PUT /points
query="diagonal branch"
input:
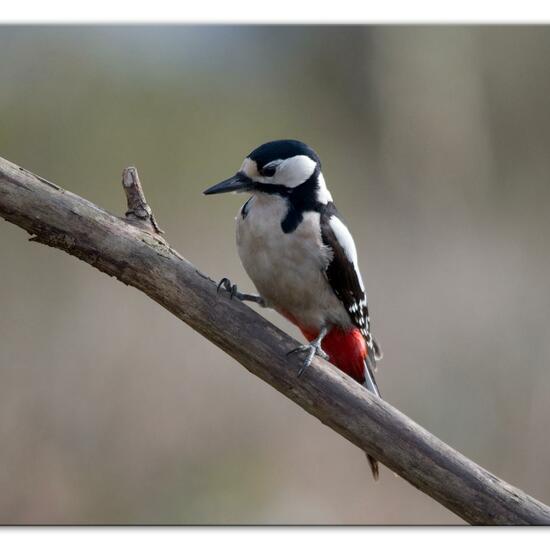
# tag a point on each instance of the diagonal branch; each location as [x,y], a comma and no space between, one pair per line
[140,257]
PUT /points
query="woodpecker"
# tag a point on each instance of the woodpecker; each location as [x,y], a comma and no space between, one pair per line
[302,259]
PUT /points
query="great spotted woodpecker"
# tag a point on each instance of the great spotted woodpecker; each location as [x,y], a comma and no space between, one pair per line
[302,259]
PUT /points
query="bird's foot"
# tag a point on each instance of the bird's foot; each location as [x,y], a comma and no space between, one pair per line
[312,349]
[225,283]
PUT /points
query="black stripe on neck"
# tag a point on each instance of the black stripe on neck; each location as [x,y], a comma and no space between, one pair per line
[302,198]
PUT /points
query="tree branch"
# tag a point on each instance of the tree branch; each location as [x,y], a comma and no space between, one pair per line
[139,212]
[138,256]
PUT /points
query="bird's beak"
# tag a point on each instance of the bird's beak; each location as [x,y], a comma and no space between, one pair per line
[239,182]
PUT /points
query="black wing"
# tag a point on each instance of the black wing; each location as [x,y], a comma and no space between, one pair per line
[345,280]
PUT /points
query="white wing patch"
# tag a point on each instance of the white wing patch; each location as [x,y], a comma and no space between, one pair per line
[347,243]
[357,309]
[323,194]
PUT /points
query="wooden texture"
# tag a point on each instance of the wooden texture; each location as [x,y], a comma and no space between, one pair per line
[141,258]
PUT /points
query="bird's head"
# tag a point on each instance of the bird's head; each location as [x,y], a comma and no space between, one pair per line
[277,167]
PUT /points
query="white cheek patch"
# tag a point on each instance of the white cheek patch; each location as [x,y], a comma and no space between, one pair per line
[295,171]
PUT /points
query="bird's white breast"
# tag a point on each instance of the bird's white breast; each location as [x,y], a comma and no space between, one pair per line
[288,269]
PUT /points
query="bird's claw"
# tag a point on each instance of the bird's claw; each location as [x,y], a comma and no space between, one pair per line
[234,293]
[226,284]
[312,349]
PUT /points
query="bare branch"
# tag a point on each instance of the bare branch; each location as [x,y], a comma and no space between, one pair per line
[140,258]
[139,211]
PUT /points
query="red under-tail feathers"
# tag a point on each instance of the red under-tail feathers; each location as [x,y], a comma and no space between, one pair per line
[348,351]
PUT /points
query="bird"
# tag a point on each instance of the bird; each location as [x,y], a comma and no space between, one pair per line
[297,250]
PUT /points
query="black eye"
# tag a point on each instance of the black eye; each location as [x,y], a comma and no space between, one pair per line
[268,171]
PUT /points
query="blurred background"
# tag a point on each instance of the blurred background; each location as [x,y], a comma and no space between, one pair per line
[435,143]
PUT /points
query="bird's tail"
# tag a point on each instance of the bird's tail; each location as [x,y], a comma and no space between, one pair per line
[378,353]
[370,365]
[372,386]
[374,466]
[349,351]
